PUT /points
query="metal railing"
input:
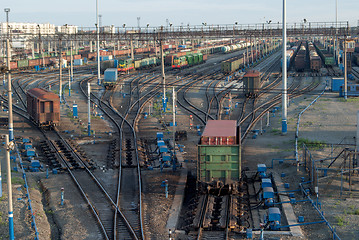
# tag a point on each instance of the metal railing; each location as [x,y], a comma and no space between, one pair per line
[190,31]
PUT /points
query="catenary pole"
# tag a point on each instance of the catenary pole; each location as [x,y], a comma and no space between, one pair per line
[284,71]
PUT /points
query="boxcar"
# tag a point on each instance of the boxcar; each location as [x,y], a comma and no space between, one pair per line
[315,61]
[219,153]
[43,107]
[252,83]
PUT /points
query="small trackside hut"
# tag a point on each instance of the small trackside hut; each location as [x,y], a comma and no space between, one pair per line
[43,107]
[219,156]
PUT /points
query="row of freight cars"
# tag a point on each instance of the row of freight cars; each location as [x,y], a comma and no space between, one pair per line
[188,60]
[179,61]
[314,60]
[300,61]
[32,63]
[50,59]
[312,56]
[234,64]
[234,47]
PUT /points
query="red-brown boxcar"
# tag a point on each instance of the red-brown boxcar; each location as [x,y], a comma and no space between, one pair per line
[43,107]
[34,62]
[45,61]
[13,65]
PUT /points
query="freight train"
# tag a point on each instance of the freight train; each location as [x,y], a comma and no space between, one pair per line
[188,60]
[233,64]
[300,61]
[314,59]
[234,47]
[326,56]
[43,107]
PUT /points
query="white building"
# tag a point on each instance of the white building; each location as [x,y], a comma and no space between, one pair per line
[27,28]
[69,29]
[108,29]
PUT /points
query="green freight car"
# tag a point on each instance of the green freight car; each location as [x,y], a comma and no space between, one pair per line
[231,65]
[219,154]
[325,55]
[23,63]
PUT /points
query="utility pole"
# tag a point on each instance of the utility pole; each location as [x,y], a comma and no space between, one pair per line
[336,42]
[163,78]
[60,71]
[89,108]
[9,147]
[9,92]
[284,71]
[345,69]
[98,45]
[174,118]
[71,69]
[41,46]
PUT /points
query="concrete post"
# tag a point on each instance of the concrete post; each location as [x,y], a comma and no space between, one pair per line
[98,45]
[284,71]
[60,72]
[9,92]
[62,196]
[89,108]
[9,147]
[163,78]
[174,119]
[71,70]
[131,46]
[345,70]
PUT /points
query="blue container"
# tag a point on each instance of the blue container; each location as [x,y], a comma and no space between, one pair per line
[249,233]
[274,214]
[166,157]
[27,146]
[104,58]
[30,152]
[110,75]
[268,192]
[37,68]
[115,63]
[35,164]
[163,149]
[25,140]
[261,167]
[85,60]
[75,112]
[78,62]
[337,83]
[266,182]
[300,219]
[161,143]
[159,135]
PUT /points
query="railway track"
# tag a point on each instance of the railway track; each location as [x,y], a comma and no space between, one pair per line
[128,194]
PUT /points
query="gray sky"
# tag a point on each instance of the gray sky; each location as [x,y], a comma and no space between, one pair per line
[155,12]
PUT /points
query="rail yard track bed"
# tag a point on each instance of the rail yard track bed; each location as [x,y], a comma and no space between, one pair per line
[328,121]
